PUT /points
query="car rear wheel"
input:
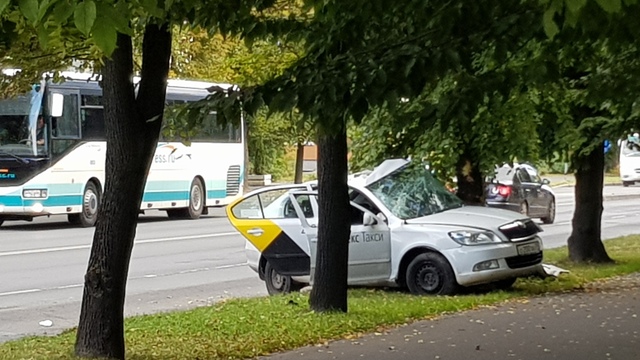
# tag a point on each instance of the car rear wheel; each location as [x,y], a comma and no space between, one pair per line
[551,213]
[431,274]
[277,283]
[627,183]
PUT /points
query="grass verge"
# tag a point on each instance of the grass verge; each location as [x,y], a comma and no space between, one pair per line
[245,328]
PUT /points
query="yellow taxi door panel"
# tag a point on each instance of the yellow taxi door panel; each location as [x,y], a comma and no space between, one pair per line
[259,232]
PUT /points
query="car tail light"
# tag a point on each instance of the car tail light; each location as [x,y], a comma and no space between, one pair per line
[504,191]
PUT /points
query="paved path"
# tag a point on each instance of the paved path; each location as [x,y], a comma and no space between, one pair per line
[603,322]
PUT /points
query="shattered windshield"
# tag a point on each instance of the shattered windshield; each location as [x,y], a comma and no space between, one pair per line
[412,192]
[22,127]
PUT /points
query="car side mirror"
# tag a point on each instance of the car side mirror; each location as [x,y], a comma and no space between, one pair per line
[546,182]
[369,219]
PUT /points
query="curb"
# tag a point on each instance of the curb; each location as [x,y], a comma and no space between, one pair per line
[620,197]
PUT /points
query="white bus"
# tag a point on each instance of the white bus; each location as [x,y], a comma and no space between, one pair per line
[54,165]
[630,160]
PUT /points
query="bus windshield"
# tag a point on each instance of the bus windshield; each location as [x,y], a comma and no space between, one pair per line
[22,126]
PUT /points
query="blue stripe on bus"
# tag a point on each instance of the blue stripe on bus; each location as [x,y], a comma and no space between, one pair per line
[76,200]
[63,200]
[165,196]
[11,200]
[216,194]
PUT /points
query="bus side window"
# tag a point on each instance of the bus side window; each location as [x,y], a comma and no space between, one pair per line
[93,124]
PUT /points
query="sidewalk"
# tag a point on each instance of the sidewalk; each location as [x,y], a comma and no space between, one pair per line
[602,322]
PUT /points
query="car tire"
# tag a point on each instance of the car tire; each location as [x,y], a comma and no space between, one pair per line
[524,208]
[431,274]
[627,183]
[551,213]
[90,207]
[279,284]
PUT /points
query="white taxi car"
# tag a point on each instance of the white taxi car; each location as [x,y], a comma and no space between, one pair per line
[406,230]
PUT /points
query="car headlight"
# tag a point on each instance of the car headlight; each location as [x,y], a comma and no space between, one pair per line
[466,237]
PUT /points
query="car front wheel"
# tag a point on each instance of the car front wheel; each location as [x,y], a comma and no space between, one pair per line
[431,274]
[277,283]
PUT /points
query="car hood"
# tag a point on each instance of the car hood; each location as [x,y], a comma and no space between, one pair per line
[479,217]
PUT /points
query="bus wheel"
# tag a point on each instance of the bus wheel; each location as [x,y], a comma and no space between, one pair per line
[196,199]
[196,203]
[90,206]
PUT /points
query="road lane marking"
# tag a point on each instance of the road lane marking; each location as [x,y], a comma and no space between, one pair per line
[69,286]
[147,276]
[144,241]
[231,266]
[20,292]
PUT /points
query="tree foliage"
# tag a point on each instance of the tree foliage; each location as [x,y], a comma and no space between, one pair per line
[130,115]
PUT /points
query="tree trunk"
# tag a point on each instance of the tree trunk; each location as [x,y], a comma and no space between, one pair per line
[299,163]
[329,292]
[131,141]
[585,243]
[470,180]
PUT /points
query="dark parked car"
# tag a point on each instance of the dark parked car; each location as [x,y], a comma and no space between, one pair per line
[519,188]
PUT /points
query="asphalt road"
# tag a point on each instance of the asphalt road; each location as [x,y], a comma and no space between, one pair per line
[176,264]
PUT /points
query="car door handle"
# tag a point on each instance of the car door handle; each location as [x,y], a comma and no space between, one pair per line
[255,231]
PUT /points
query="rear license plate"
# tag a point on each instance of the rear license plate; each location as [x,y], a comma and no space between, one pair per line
[528,249]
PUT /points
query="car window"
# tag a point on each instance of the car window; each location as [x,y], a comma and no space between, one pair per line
[272,204]
[359,198]
[248,208]
[533,174]
[305,204]
[523,176]
[276,204]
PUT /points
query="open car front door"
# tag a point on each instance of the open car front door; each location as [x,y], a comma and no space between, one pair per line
[369,243]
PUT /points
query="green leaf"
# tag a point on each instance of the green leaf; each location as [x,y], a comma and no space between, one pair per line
[610,6]
[62,11]
[85,16]
[105,35]
[29,9]
[43,36]
[575,6]
[44,6]
[3,5]
[550,26]
[116,18]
